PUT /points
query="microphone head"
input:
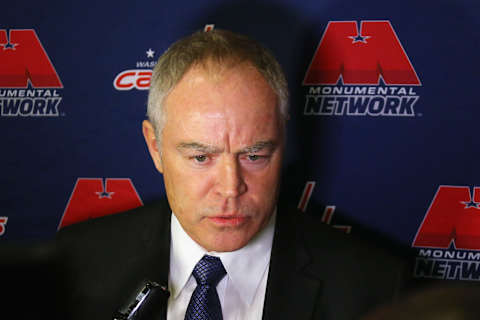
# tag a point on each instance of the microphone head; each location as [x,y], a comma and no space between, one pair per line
[149,301]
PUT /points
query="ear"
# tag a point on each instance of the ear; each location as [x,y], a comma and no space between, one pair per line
[152,144]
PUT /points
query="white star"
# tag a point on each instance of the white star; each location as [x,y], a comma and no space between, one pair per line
[104,194]
[150,53]
[10,46]
[470,204]
[359,38]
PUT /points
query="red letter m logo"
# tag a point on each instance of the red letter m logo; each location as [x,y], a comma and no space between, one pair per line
[91,198]
[454,215]
[23,58]
[360,56]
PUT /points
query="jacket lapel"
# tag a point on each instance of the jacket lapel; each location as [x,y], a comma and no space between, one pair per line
[155,236]
[292,290]
[157,244]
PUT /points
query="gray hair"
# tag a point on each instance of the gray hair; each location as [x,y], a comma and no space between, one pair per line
[200,48]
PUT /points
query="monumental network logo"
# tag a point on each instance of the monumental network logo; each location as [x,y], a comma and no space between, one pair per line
[361,70]
[138,77]
[96,197]
[449,236]
[29,83]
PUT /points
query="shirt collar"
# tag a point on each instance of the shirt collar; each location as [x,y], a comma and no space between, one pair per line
[245,267]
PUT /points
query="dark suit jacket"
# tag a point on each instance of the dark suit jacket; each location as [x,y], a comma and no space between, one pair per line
[316,272]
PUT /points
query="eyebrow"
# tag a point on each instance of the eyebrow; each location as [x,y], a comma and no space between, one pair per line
[197,147]
[258,146]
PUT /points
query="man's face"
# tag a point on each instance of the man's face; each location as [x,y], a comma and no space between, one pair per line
[221,154]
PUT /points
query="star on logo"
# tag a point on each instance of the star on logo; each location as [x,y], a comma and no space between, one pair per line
[10,46]
[470,204]
[150,53]
[359,38]
[104,194]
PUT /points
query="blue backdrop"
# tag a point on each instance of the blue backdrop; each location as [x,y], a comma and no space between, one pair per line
[359,156]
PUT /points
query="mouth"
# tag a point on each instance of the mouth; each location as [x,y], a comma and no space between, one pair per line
[228,221]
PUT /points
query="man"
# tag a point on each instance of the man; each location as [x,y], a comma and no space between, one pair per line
[216,131]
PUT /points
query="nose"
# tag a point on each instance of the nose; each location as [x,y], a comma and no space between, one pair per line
[230,180]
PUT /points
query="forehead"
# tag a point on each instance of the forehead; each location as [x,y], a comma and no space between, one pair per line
[237,100]
[225,78]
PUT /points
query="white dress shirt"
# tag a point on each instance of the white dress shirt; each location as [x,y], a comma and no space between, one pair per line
[241,291]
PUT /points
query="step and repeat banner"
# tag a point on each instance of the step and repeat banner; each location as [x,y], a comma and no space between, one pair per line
[382,136]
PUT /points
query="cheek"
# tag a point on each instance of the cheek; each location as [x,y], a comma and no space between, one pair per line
[263,185]
[185,184]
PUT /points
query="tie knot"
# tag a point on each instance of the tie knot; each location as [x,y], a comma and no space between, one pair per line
[209,270]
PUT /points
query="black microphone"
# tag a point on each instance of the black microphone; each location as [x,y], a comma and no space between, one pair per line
[149,301]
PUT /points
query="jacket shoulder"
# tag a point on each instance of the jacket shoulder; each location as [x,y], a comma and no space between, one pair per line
[119,225]
[103,260]
[357,271]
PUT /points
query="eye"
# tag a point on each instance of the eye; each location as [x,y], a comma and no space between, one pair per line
[200,158]
[255,160]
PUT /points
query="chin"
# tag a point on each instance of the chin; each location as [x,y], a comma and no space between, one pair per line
[224,245]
